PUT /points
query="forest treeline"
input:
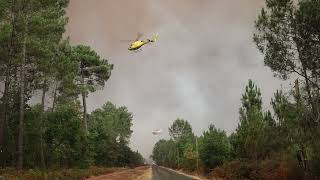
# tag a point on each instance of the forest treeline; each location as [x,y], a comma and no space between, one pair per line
[56,130]
[282,141]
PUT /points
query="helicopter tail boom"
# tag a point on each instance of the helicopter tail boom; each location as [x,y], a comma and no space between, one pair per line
[154,38]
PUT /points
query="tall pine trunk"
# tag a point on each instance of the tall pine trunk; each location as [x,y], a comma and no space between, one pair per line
[55,96]
[4,110]
[44,90]
[4,117]
[22,103]
[84,103]
[85,111]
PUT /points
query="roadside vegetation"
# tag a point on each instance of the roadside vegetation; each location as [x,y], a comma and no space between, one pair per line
[280,142]
[44,121]
[57,174]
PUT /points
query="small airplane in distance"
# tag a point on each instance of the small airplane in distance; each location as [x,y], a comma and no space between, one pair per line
[157,131]
[137,43]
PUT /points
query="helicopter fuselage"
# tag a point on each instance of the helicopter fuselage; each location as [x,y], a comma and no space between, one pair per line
[137,44]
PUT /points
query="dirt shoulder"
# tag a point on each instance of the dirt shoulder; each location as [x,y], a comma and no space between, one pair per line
[139,173]
[146,176]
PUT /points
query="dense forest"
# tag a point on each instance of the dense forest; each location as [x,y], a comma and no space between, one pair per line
[281,142]
[37,60]
[56,130]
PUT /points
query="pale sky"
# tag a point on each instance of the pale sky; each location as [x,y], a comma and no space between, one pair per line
[197,70]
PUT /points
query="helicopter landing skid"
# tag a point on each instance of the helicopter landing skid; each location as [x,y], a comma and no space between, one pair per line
[138,50]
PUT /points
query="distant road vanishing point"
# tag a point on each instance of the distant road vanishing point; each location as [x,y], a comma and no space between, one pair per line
[153,172]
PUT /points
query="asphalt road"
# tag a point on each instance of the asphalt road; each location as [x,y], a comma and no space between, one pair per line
[153,172]
[162,173]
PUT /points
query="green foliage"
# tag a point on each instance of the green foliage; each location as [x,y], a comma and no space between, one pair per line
[135,159]
[263,146]
[180,151]
[66,143]
[180,129]
[189,157]
[214,148]
[112,121]
[64,85]
[165,153]
[31,41]
[65,137]
[110,130]
[183,138]
[249,138]
[286,30]
[287,34]
[265,143]
[251,98]
[92,70]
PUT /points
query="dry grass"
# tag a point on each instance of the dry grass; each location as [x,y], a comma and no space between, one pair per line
[129,174]
[56,174]
[265,170]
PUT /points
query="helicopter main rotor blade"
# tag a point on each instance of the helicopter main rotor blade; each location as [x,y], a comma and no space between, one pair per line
[139,35]
[126,41]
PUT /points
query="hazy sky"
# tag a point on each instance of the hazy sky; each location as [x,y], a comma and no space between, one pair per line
[197,70]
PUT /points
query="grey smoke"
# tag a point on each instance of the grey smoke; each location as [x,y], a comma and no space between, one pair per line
[197,70]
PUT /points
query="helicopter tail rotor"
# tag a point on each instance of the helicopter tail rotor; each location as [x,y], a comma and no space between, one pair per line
[155,37]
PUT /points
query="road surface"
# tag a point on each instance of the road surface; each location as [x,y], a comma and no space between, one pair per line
[162,173]
[146,173]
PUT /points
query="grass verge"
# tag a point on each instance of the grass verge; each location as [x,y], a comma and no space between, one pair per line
[55,174]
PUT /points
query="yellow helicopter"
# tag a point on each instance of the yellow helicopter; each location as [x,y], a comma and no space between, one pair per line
[137,43]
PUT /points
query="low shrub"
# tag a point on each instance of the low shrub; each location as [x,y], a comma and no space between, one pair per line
[270,169]
[56,174]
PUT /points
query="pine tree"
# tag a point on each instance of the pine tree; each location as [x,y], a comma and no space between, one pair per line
[93,71]
[250,132]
